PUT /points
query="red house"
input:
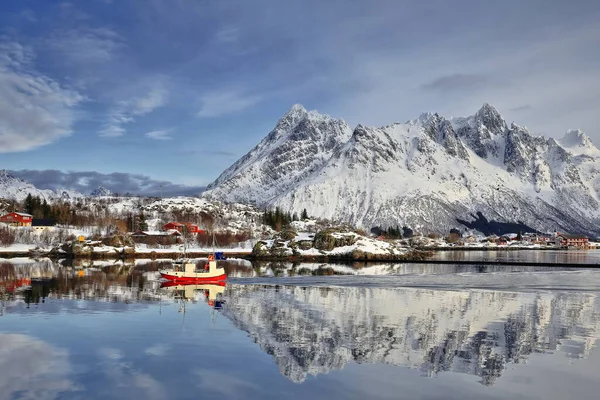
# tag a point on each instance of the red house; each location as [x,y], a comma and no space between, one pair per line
[173,225]
[192,228]
[572,240]
[17,219]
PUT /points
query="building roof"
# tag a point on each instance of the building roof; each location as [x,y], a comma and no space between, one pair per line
[24,214]
[174,223]
[572,236]
[43,222]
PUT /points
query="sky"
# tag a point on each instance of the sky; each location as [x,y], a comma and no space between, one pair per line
[169,93]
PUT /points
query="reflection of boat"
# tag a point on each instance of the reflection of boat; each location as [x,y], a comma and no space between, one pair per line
[185,271]
[212,292]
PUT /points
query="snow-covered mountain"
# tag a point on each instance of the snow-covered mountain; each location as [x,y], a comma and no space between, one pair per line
[425,173]
[14,188]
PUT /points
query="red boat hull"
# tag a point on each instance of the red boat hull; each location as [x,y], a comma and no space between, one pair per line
[171,283]
[183,279]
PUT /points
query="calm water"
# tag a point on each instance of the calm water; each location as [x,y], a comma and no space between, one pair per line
[289,331]
[539,256]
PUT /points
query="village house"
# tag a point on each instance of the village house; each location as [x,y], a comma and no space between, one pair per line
[572,240]
[157,237]
[181,226]
[17,219]
[42,224]
[535,238]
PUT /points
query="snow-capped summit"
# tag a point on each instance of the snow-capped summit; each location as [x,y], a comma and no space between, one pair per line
[298,145]
[577,142]
[490,118]
[101,191]
[425,174]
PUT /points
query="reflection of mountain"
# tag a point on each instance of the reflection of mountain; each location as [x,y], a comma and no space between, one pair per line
[312,330]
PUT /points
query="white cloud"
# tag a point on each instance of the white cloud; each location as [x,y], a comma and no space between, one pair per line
[125,111]
[159,135]
[216,104]
[33,369]
[155,98]
[112,130]
[35,110]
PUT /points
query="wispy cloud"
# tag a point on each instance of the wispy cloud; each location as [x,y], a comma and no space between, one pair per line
[219,103]
[86,45]
[35,110]
[117,182]
[125,111]
[525,107]
[159,135]
[227,34]
[28,15]
[456,82]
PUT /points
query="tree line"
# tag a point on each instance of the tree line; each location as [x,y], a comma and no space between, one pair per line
[277,218]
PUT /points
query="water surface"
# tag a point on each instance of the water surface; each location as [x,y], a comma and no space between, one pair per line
[384,332]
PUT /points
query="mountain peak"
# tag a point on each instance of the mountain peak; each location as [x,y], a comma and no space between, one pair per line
[297,111]
[491,118]
[101,191]
[6,176]
[576,139]
[297,108]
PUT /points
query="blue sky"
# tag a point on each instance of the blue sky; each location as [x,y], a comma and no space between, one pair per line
[177,90]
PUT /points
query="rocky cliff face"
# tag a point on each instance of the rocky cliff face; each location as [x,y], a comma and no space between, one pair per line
[314,330]
[424,173]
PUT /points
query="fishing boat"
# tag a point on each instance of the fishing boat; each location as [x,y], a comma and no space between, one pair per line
[184,270]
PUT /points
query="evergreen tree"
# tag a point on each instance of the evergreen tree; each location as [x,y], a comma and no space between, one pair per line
[28,204]
[46,210]
[142,223]
[304,215]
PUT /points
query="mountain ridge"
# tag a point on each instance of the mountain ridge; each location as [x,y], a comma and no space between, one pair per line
[425,173]
[14,188]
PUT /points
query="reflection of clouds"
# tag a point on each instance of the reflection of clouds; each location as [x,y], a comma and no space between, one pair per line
[129,383]
[157,350]
[32,369]
[228,386]
[110,353]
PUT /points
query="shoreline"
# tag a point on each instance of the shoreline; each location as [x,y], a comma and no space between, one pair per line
[418,256]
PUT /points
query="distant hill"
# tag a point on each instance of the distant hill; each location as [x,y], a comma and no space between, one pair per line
[14,188]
